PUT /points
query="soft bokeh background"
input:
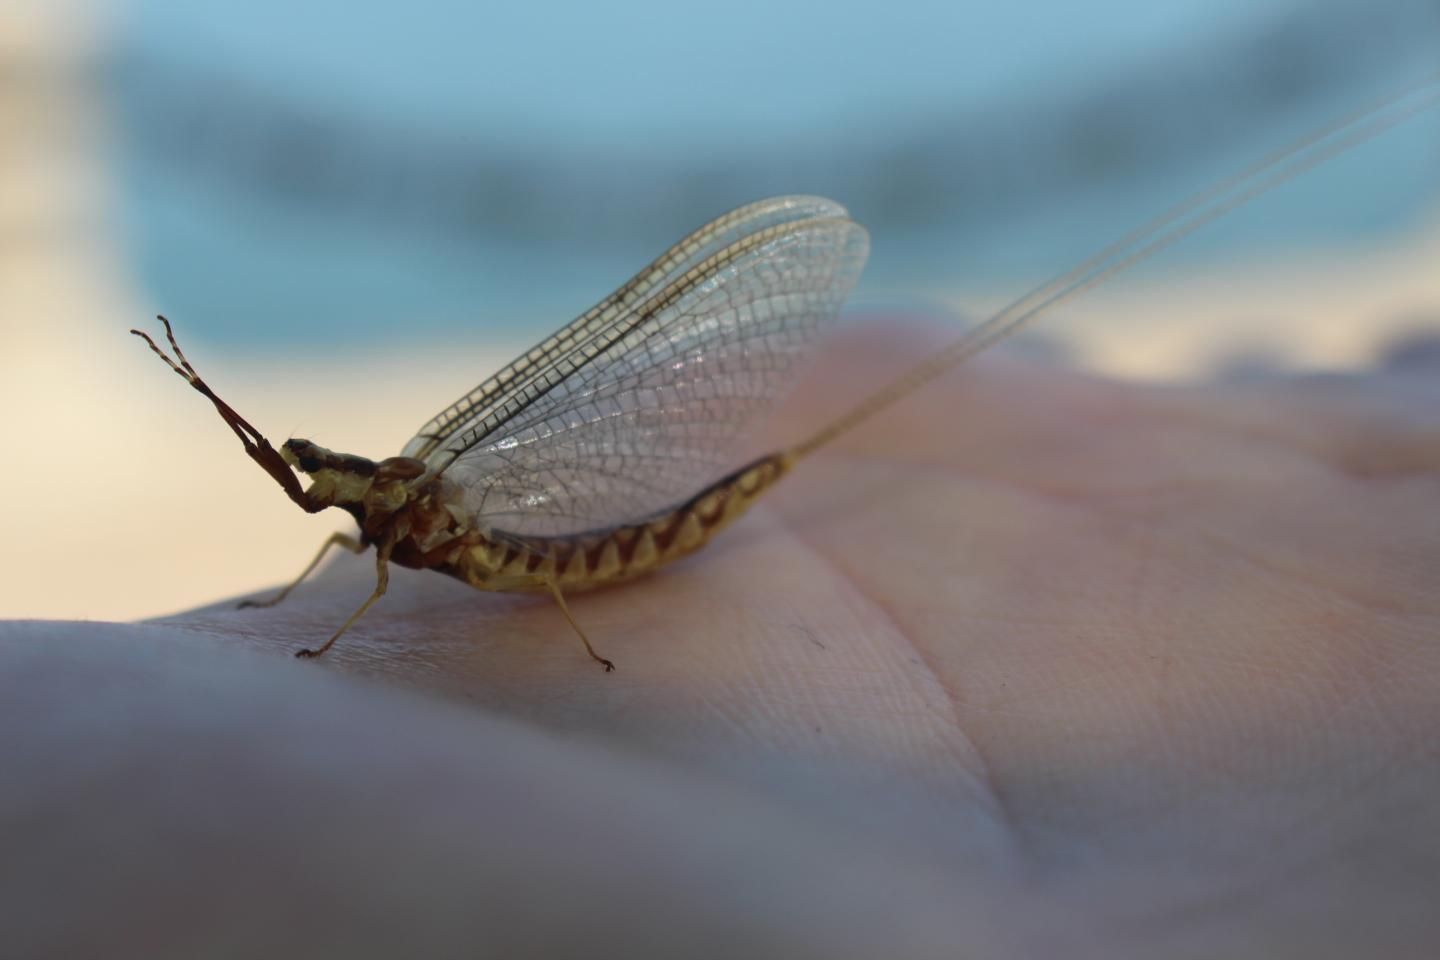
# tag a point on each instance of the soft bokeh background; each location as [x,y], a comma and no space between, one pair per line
[355,211]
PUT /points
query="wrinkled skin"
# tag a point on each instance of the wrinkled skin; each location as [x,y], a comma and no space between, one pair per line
[1035,665]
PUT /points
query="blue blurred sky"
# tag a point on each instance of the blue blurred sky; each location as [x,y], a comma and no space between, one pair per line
[343,171]
[620,76]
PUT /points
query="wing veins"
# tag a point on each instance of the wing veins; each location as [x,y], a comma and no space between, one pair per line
[561,343]
[620,328]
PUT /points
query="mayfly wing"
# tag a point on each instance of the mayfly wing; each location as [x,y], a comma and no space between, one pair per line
[703,243]
[639,419]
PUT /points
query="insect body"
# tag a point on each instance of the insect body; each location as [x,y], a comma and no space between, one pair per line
[593,458]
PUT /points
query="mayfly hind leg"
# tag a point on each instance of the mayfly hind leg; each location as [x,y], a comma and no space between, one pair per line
[335,540]
[565,609]
[382,583]
[548,583]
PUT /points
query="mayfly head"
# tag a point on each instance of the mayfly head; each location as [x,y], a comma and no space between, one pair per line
[345,480]
[311,458]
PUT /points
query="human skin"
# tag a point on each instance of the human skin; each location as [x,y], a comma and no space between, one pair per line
[1036,664]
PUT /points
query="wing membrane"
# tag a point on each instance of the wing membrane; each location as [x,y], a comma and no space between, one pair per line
[640,414]
[703,243]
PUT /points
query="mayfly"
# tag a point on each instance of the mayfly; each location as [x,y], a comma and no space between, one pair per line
[600,455]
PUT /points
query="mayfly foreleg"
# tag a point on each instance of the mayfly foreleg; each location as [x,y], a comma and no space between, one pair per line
[336,539]
[523,581]
[382,583]
[257,448]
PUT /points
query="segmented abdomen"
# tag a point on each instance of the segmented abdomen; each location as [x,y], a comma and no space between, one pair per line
[594,559]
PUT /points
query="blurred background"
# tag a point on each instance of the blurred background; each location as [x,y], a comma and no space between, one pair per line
[355,211]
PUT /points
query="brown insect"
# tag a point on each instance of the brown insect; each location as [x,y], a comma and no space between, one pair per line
[592,458]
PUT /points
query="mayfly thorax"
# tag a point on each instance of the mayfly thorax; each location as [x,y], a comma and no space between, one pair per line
[603,453]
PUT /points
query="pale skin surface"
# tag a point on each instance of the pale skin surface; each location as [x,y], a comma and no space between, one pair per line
[1038,665]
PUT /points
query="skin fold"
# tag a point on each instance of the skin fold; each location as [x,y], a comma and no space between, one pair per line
[1035,662]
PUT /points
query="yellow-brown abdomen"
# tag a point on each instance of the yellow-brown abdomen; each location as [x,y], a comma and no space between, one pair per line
[595,559]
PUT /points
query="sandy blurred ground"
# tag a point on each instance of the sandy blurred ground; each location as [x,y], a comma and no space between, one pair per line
[124,496]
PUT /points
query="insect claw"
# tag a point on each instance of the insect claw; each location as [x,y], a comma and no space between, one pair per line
[306,654]
[609,667]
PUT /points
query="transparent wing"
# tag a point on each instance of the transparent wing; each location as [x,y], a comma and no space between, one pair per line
[705,242]
[633,422]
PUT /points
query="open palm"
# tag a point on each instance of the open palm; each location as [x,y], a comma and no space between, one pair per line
[1036,662]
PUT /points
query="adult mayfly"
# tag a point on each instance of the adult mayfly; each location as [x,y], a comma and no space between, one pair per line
[601,454]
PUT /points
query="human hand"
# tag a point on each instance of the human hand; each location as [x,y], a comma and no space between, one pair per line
[1035,662]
